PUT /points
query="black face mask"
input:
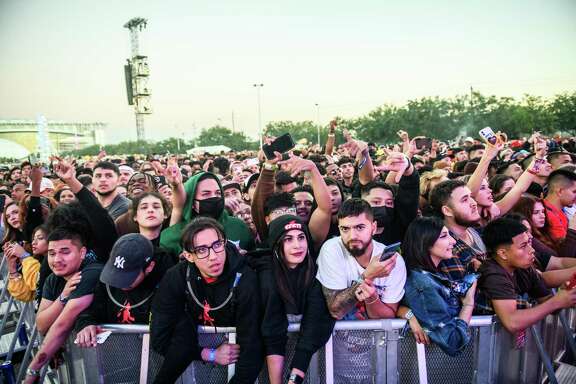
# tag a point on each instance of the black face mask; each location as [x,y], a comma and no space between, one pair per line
[383,216]
[211,207]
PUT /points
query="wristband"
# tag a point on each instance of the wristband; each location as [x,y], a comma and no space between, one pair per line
[270,167]
[295,378]
[33,372]
[25,255]
[532,172]
[372,302]
[212,355]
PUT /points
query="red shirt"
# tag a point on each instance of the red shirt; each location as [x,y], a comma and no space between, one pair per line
[557,222]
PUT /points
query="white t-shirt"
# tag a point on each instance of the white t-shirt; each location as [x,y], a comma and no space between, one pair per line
[338,269]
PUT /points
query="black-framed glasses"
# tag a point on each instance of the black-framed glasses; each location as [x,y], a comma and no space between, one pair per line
[203,251]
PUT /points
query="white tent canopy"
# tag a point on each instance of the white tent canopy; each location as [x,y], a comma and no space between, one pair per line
[12,150]
[213,149]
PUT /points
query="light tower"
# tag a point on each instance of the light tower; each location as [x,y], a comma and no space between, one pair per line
[137,73]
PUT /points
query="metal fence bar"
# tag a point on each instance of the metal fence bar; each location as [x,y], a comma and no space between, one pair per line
[17,332]
[329,357]
[144,358]
[570,342]
[6,314]
[24,363]
[543,355]
[381,343]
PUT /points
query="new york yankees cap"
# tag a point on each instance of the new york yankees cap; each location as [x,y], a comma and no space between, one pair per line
[129,256]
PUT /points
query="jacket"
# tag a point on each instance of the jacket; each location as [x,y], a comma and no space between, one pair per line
[235,229]
[437,308]
[24,288]
[406,201]
[103,310]
[316,324]
[174,301]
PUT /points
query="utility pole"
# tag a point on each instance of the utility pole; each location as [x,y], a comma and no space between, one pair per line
[137,74]
[258,89]
[318,121]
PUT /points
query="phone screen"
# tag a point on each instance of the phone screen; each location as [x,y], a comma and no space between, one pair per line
[389,251]
[282,144]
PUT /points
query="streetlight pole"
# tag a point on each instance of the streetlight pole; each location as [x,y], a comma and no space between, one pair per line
[258,89]
[318,121]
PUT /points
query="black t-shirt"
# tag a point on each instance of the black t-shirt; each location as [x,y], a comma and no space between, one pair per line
[497,284]
[90,276]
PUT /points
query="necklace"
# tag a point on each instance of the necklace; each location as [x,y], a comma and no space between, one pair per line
[128,305]
[203,306]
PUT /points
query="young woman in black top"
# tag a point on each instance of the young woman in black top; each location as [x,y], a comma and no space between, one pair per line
[290,292]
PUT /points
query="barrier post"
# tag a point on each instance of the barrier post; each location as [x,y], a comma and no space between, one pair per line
[380,363]
[144,358]
[543,355]
[484,366]
[392,337]
[329,357]
[231,367]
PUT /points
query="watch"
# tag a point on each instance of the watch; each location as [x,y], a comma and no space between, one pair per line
[33,372]
[62,299]
[409,315]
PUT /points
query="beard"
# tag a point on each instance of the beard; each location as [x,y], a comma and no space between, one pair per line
[357,251]
[108,193]
[463,222]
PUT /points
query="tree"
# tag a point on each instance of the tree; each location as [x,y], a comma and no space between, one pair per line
[219,135]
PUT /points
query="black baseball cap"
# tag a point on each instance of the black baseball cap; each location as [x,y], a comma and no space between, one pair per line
[129,256]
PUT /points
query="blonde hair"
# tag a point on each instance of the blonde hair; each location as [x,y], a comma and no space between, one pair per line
[428,178]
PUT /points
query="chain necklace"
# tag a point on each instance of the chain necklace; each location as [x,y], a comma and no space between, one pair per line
[128,305]
[203,306]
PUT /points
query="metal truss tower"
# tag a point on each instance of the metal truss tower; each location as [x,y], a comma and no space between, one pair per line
[137,73]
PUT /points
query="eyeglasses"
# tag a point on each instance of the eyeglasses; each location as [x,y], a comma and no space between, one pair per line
[202,252]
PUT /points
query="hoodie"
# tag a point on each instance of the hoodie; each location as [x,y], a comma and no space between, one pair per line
[173,301]
[236,230]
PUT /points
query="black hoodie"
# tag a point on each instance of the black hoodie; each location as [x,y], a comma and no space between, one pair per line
[173,302]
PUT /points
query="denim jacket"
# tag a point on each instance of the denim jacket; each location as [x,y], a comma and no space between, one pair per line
[437,307]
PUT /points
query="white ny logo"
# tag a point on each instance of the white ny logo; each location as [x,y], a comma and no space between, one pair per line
[119,262]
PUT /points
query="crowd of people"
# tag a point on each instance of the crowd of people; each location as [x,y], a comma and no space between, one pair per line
[254,242]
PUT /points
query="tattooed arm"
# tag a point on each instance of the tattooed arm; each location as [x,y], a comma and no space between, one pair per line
[340,301]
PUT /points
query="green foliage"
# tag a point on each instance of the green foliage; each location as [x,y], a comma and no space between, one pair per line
[442,118]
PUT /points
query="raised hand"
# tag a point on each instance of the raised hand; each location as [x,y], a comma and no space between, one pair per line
[64,169]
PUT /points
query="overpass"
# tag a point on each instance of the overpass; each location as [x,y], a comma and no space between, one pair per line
[63,136]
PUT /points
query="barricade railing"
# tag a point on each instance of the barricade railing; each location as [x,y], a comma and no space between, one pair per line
[371,351]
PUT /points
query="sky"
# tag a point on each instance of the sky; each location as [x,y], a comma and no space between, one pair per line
[317,59]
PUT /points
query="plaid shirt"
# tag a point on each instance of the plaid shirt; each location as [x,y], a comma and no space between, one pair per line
[458,266]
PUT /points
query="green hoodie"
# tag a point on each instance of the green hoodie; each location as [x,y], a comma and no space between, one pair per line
[235,229]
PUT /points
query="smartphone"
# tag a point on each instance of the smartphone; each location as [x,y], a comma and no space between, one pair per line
[389,251]
[423,143]
[572,283]
[282,144]
[538,164]
[488,134]
[159,181]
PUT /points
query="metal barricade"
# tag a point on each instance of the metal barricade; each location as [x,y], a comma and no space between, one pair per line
[371,351]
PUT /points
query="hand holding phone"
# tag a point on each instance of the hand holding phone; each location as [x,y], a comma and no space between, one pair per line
[282,144]
[389,251]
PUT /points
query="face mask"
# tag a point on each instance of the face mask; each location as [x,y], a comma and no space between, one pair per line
[211,207]
[383,216]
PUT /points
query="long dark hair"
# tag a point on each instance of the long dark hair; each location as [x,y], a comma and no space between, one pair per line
[305,277]
[420,237]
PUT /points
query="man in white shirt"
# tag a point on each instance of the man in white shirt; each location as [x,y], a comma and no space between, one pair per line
[356,284]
